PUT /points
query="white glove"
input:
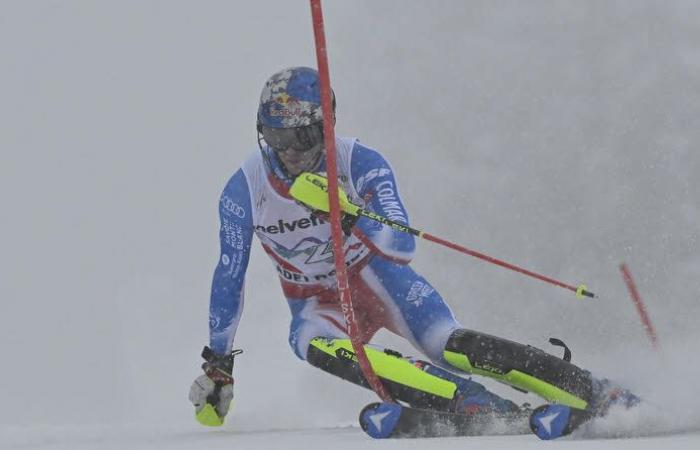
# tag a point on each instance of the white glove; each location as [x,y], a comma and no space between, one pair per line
[205,392]
[212,393]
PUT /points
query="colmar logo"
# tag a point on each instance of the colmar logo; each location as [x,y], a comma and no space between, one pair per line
[386,192]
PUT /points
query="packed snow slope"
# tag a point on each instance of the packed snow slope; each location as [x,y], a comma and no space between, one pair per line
[560,136]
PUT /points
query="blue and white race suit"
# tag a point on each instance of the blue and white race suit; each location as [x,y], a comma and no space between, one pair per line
[386,292]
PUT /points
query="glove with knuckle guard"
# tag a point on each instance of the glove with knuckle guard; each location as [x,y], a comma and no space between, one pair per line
[347,221]
[212,393]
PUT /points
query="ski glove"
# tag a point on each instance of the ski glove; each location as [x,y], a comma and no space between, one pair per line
[212,393]
[347,221]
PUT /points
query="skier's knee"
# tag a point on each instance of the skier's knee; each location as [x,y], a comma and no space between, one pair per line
[433,340]
[299,344]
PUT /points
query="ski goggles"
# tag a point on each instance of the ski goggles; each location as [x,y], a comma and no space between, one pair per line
[300,139]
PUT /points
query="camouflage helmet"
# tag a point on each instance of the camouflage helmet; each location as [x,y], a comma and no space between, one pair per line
[291,98]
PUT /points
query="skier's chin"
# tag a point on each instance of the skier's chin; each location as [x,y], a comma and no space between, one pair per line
[295,171]
[295,168]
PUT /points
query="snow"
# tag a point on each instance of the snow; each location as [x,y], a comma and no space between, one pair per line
[341,438]
[559,136]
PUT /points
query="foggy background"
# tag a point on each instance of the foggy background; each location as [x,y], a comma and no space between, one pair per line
[557,135]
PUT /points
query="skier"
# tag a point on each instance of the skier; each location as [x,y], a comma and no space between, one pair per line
[386,291]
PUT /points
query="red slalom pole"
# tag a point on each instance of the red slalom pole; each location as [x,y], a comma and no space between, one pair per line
[641,309]
[311,189]
[580,290]
[353,327]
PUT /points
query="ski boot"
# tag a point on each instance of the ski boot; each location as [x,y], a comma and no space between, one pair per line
[473,398]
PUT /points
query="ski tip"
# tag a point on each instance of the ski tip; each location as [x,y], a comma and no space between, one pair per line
[378,420]
[550,421]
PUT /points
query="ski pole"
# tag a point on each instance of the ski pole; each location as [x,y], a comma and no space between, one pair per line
[312,190]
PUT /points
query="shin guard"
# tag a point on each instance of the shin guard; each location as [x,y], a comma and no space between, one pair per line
[522,366]
[405,379]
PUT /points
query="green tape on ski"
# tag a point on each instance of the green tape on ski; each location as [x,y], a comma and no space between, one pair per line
[519,380]
[391,368]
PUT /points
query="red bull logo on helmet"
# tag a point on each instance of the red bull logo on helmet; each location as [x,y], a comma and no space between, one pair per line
[290,98]
[291,106]
[285,99]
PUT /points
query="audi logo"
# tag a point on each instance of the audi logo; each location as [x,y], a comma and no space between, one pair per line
[232,207]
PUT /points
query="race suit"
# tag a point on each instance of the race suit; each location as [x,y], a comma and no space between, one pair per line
[386,292]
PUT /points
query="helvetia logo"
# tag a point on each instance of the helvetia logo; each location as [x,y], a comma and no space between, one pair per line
[283,226]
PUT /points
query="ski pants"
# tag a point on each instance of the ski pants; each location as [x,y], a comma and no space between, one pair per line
[385,294]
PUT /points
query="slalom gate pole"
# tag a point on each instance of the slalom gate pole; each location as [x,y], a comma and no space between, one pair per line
[353,327]
[639,304]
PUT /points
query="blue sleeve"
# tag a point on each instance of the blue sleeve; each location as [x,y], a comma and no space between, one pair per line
[374,181]
[235,234]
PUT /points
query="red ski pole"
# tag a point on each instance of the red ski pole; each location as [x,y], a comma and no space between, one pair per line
[579,290]
[313,190]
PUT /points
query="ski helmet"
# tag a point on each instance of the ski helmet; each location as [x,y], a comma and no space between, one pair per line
[291,98]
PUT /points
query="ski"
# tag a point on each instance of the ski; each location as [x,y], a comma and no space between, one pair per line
[392,420]
[554,421]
